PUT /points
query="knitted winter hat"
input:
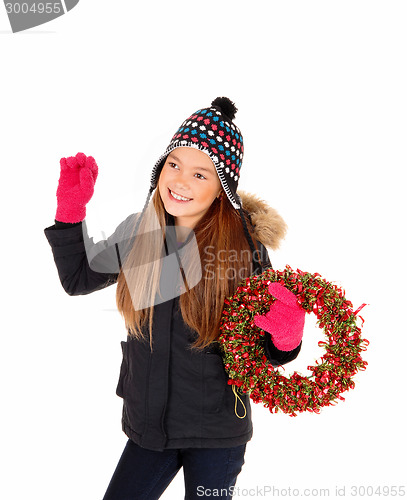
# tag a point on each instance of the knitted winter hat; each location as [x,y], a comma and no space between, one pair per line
[212,131]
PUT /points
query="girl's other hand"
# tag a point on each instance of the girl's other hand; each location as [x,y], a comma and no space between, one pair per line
[75,187]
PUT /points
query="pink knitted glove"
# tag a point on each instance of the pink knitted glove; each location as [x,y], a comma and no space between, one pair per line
[285,319]
[75,187]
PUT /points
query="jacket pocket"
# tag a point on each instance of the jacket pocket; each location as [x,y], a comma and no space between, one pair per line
[123,370]
[215,383]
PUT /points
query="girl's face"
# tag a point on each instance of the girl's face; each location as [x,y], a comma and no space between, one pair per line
[188,184]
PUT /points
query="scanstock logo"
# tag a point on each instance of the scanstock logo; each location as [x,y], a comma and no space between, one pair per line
[25,14]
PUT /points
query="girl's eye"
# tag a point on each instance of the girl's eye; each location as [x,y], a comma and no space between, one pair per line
[172,165]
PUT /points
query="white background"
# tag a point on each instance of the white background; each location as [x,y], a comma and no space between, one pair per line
[321,92]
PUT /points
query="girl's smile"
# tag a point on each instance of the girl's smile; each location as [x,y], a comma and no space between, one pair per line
[178,197]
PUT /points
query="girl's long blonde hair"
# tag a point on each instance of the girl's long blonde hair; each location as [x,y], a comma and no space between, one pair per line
[225,260]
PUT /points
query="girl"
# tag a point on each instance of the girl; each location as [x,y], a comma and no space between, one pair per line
[174,264]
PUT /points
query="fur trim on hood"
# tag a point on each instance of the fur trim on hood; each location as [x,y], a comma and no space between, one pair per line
[268,226]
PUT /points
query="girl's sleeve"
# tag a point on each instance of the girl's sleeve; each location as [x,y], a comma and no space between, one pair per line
[274,355]
[84,266]
[277,357]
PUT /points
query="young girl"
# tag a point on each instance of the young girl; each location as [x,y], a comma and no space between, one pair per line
[174,264]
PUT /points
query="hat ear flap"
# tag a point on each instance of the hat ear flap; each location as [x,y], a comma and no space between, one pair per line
[159,169]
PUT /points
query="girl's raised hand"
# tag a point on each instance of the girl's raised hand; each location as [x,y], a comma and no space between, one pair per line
[75,187]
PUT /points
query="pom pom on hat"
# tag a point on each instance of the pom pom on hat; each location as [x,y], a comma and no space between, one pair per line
[226,106]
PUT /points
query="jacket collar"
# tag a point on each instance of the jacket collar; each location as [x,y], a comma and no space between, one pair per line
[268,226]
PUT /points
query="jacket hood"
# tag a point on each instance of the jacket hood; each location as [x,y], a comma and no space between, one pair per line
[268,226]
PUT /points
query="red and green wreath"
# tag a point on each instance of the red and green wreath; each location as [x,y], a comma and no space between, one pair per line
[242,343]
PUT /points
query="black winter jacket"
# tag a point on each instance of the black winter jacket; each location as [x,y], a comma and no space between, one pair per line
[173,397]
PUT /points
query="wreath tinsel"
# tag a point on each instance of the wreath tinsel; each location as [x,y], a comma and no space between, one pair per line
[242,343]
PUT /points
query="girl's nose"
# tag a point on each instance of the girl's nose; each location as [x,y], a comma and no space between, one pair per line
[182,182]
[182,187]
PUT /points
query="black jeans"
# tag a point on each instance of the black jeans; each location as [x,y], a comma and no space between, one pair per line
[143,474]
